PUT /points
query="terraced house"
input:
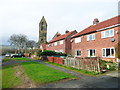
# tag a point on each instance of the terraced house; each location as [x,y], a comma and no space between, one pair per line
[97,40]
[61,43]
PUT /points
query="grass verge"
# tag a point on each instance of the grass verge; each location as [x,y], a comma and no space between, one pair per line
[90,73]
[7,59]
[40,73]
[9,80]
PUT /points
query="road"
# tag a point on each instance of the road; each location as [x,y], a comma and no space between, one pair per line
[1,57]
[108,81]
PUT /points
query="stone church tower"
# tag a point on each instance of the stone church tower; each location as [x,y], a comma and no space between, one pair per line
[42,31]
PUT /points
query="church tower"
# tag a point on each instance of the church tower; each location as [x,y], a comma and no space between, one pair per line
[42,31]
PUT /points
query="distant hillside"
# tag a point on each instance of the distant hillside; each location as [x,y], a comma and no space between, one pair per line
[6,47]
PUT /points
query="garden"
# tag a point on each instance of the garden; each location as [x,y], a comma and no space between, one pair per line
[37,73]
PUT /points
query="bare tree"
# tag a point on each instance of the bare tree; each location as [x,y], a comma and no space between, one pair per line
[19,41]
[31,44]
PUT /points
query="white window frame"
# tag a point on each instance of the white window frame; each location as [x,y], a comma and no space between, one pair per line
[80,53]
[110,52]
[61,42]
[88,53]
[61,50]
[56,50]
[55,43]
[104,33]
[88,37]
[78,39]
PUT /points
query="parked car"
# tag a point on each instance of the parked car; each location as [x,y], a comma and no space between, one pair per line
[18,55]
[7,54]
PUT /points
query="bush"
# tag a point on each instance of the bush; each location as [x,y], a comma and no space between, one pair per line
[112,66]
[51,53]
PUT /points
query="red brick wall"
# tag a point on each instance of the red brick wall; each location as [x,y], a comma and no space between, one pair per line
[57,60]
[58,47]
[66,46]
[97,44]
[68,43]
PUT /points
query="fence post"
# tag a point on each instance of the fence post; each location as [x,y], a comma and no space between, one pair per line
[98,60]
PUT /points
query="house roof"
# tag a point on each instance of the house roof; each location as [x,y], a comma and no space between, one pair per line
[100,25]
[61,36]
[57,34]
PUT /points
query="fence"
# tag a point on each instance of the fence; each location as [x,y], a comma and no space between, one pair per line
[89,64]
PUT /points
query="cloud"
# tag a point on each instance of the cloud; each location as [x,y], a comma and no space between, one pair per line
[23,16]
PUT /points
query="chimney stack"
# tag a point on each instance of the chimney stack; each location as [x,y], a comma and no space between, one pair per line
[66,31]
[96,21]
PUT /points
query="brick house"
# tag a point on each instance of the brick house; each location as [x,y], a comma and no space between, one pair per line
[61,43]
[43,47]
[97,40]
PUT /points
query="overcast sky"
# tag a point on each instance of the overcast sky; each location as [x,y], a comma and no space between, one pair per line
[23,16]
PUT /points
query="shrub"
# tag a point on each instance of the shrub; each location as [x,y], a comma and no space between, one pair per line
[112,66]
[51,53]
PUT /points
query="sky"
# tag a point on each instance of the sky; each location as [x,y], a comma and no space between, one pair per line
[23,16]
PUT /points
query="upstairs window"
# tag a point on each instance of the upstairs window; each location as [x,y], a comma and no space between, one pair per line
[61,51]
[77,40]
[61,42]
[91,37]
[108,33]
[91,53]
[55,44]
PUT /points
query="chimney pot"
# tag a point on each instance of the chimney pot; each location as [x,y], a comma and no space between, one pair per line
[66,31]
[96,21]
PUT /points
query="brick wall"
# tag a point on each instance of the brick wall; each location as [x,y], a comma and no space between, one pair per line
[66,46]
[58,47]
[96,44]
[57,60]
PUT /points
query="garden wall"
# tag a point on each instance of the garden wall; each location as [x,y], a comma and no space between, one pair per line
[57,60]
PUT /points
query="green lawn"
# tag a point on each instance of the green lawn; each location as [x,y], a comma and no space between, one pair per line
[0,78]
[43,74]
[7,59]
[74,69]
[9,79]
[37,72]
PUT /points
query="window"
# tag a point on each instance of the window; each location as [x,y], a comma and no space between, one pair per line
[91,37]
[61,42]
[55,44]
[108,33]
[78,53]
[61,51]
[91,53]
[48,45]
[56,51]
[108,52]
[77,40]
